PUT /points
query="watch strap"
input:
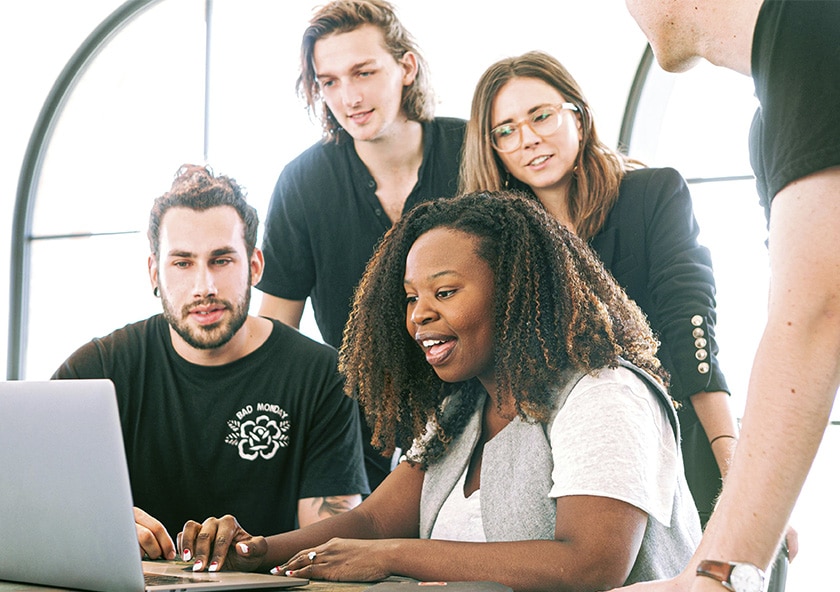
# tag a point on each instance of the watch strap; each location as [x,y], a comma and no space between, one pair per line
[717,570]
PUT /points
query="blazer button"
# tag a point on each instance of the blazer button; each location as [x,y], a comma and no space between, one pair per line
[700,343]
[697,320]
[701,354]
[703,367]
[698,332]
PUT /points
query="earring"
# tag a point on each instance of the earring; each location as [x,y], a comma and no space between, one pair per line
[156,292]
[507,180]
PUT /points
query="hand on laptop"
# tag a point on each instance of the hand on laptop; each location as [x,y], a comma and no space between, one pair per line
[221,542]
[154,541]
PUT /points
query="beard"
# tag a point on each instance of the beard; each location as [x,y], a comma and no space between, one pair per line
[207,336]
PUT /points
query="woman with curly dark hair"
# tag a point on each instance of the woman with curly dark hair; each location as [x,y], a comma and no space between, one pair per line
[545,452]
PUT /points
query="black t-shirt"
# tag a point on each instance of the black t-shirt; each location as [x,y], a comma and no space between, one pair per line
[324,220]
[247,438]
[796,70]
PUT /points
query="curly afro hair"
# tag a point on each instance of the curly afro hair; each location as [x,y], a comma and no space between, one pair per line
[556,309]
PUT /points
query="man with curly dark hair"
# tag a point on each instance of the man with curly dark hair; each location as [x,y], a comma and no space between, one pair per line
[546,449]
[222,411]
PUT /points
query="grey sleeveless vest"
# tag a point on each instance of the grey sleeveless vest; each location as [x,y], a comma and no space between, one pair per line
[516,478]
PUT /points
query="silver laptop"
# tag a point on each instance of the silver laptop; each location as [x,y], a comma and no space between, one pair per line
[66,515]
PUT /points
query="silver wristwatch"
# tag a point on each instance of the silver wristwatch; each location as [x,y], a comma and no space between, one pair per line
[734,575]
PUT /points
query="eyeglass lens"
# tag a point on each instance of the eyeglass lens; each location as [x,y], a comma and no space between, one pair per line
[543,122]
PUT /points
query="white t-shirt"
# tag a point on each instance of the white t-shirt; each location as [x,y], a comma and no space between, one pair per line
[612,438]
[459,518]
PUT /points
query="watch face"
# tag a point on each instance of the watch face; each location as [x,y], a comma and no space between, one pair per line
[746,578]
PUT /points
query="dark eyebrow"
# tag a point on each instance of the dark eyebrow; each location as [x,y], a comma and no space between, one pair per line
[177,253]
[214,253]
[436,275]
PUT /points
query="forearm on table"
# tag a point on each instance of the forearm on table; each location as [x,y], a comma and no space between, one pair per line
[355,524]
[524,565]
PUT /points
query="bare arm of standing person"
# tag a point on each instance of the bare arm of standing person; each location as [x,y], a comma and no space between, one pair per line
[792,387]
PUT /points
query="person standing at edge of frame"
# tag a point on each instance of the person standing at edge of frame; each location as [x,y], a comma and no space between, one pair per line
[790,49]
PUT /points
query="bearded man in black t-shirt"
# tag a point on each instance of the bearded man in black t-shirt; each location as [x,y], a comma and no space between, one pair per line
[222,412]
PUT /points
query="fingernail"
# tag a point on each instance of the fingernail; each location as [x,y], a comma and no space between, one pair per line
[187,555]
[289,572]
[198,565]
[214,566]
[243,548]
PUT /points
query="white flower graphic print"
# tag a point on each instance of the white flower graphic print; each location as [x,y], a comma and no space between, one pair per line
[260,437]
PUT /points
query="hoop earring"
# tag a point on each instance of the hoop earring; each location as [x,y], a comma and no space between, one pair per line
[156,292]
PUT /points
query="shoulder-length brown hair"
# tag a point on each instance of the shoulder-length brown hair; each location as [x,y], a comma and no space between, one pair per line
[599,169]
[343,16]
[555,309]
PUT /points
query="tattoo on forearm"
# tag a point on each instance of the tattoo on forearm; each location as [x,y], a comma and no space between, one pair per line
[331,505]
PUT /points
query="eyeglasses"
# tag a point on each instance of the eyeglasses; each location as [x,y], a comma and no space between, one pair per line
[544,121]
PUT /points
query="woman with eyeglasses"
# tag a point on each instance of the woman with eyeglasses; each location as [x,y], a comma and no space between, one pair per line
[531,129]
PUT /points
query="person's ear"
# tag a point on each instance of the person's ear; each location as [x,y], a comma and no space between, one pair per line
[409,65]
[153,275]
[257,266]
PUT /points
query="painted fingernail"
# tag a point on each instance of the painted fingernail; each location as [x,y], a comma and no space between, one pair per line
[289,572]
[198,565]
[187,555]
[243,548]
[276,571]
[214,566]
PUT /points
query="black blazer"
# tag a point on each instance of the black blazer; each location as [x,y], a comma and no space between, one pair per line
[649,244]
